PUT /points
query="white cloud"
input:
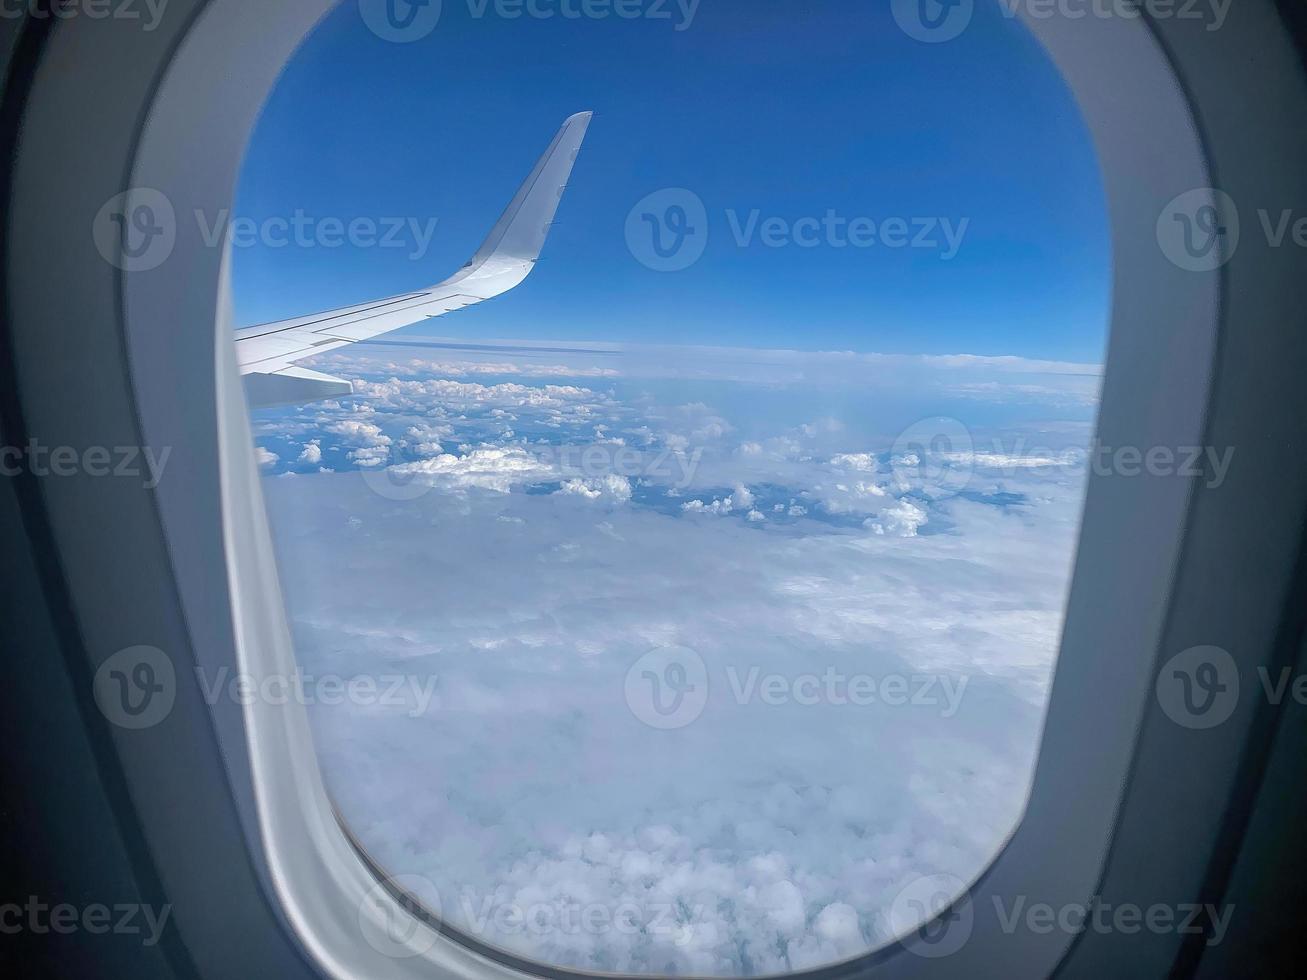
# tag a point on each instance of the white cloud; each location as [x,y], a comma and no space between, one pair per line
[717,507]
[530,616]
[610,487]
[427,437]
[536,784]
[463,367]
[487,468]
[1011,461]
[364,435]
[902,518]
[865,462]
[397,393]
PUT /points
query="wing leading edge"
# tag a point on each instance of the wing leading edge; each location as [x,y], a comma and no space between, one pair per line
[267,353]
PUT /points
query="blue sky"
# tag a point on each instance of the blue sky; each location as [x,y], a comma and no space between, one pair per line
[788,109]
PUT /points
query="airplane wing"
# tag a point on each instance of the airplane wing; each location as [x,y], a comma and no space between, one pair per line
[267,354]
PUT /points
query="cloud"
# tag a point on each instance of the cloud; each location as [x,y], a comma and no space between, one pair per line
[487,468]
[717,507]
[461,395]
[536,784]
[455,368]
[996,379]
[902,518]
[356,433]
[1081,391]
[864,462]
[426,437]
[743,842]
[611,487]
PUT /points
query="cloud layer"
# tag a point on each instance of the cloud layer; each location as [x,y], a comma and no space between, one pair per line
[870,645]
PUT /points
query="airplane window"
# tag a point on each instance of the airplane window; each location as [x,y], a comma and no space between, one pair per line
[692,607]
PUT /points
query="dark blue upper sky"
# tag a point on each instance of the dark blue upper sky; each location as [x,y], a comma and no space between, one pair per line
[790,108]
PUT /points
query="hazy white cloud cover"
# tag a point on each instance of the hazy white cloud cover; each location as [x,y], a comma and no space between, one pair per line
[765,524]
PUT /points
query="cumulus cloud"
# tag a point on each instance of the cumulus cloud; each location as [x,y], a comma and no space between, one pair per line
[718,506]
[356,433]
[610,486]
[902,518]
[426,437]
[370,446]
[396,392]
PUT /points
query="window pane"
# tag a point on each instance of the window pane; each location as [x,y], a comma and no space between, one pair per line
[692,607]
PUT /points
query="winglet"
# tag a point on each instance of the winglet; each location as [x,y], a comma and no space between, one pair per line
[267,353]
[520,231]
